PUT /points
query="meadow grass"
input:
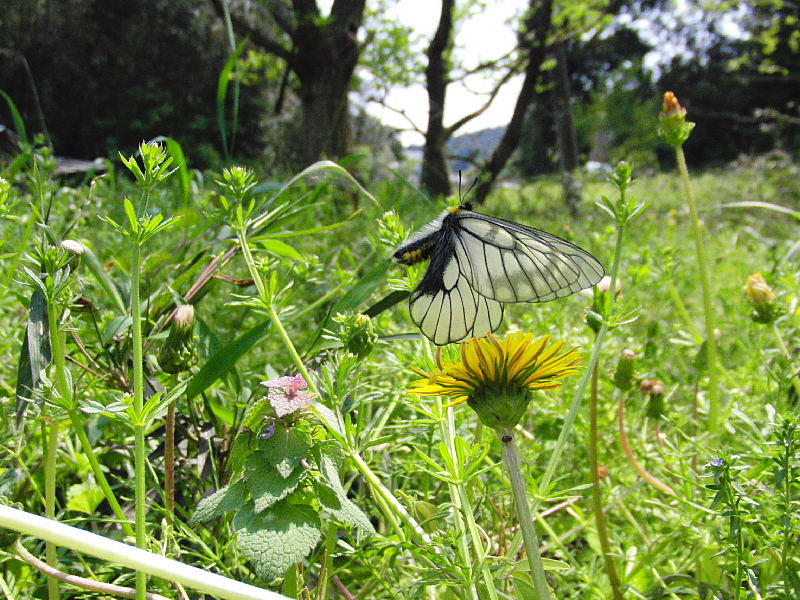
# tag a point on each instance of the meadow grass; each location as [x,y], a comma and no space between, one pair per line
[388,495]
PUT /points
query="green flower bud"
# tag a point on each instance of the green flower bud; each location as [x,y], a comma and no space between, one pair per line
[653,389]
[179,353]
[762,299]
[623,376]
[673,126]
[357,334]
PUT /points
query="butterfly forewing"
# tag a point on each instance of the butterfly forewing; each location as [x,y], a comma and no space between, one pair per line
[509,262]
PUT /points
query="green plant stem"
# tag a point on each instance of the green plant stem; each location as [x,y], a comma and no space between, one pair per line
[569,420]
[140,496]
[57,345]
[50,500]
[518,488]
[169,462]
[597,492]
[374,482]
[785,350]
[708,307]
[100,477]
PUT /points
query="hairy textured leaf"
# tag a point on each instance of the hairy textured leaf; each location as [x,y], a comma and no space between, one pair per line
[278,537]
[228,498]
[266,485]
[286,449]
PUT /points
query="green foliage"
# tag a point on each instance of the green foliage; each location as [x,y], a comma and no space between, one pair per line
[288,490]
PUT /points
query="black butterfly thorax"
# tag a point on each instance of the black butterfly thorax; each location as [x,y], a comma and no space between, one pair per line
[441,239]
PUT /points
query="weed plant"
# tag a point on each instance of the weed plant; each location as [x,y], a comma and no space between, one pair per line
[333,481]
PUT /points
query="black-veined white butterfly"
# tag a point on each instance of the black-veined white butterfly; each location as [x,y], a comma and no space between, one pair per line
[479,263]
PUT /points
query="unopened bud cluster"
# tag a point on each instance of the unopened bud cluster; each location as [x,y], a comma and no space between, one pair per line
[179,352]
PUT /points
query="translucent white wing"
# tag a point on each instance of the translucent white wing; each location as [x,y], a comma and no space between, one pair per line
[446,308]
[509,262]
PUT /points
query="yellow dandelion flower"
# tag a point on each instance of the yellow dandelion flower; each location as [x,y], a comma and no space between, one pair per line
[495,376]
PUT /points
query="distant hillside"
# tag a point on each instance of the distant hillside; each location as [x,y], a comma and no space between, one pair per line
[469,146]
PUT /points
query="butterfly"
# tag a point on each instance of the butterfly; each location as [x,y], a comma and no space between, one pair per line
[478,263]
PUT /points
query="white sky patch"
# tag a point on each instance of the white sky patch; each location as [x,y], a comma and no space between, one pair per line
[481,37]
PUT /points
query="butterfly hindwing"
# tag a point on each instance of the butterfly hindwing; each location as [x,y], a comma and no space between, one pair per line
[445,307]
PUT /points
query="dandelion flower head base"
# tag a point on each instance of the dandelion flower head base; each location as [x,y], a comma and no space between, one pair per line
[495,376]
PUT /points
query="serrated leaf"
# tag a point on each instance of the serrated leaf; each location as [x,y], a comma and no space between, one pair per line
[84,497]
[339,505]
[266,485]
[231,497]
[278,537]
[285,449]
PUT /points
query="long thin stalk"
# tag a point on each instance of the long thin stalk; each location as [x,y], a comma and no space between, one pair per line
[140,496]
[169,461]
[63,389]
[511,460]
[708,306]
[597,493]
[50,500]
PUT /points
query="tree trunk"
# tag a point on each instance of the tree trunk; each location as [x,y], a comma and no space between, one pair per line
[435,177]
[534,40]
[565,131]
[325,57]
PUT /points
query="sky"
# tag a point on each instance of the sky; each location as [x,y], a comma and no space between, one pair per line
[481,37]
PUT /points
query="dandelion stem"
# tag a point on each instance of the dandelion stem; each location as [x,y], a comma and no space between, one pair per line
[518,488]
[711,341]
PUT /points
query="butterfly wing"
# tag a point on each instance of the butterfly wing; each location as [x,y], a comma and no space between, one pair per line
[509,262]
[445,307]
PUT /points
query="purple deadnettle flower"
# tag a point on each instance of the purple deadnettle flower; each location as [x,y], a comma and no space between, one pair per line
[285,395]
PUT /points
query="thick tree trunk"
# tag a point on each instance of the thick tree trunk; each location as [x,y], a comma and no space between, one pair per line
[565,131]
[325,57]
[534,40]
[435,177]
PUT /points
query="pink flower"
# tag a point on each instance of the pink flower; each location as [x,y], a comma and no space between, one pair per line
[284,395]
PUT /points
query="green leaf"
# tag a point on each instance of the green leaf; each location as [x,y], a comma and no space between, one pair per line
[277,538]
[131,212]
[231,497]
[224,360]
[335,499]
[35,354]
[361,291]
[266,485]
[16,117]
[285,449]
[115,327]
[222,93]
[280,248]
[84,497]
